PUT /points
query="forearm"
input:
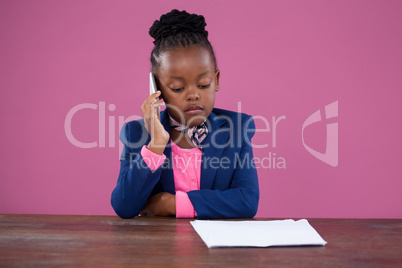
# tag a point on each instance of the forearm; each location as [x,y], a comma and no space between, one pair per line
[231,203]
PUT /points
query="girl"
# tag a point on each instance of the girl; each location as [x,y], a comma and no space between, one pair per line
[191,160]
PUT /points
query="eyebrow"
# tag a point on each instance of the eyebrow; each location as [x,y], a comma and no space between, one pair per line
[181,78]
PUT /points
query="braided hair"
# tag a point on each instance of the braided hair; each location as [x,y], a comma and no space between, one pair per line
[178,28]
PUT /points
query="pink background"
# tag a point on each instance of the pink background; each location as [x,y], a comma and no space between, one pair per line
[278,58]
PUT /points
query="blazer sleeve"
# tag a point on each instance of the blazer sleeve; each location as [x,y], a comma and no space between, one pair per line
[240,200]
[136,181]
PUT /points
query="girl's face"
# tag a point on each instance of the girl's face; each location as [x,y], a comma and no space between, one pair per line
[188,82]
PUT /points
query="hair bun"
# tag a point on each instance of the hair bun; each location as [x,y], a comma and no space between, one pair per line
[176,22]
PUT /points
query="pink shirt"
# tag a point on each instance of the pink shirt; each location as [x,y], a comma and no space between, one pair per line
[186,172]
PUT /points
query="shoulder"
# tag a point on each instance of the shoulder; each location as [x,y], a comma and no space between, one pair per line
[234,117]
[228,113]
[242,123]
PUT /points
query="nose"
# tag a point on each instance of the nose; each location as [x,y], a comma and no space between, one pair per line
[193,94]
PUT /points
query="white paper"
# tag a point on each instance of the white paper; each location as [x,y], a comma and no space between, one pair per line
[257,233]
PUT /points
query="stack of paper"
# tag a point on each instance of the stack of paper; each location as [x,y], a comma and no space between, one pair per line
[257,233]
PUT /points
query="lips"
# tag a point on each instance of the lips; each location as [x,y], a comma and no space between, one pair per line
[194,108]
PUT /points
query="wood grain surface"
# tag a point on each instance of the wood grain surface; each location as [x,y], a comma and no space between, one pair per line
[108,241]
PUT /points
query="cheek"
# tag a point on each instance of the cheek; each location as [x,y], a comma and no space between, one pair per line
[174,103]
[210,98]
[173,99]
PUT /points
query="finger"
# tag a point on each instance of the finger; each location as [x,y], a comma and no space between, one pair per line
[155,112]
[154,108]
[153,97]
[154,101]
[157,104]
[150,99]
[145,107]
[158,114]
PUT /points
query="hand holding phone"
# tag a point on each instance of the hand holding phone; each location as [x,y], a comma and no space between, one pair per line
[151,112]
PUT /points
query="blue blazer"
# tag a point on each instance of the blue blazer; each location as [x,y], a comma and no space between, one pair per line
[229,182]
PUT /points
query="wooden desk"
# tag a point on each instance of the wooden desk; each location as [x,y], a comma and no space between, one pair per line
[108,241]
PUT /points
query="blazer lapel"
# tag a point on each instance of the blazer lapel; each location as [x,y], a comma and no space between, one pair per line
[216,136]
[167,179]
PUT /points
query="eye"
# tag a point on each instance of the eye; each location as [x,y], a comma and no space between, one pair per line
[205,86]
[177,89]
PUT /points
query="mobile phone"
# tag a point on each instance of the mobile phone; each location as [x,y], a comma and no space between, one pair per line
[152,86]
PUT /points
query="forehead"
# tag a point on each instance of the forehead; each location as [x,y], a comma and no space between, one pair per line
[195,59]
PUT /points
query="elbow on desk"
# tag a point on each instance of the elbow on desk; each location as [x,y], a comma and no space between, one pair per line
[252,211]
[124,213]
[249,211]
[122,210]
[250,200]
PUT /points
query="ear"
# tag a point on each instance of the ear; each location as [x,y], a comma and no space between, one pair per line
[217,75]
